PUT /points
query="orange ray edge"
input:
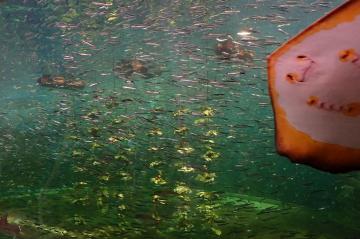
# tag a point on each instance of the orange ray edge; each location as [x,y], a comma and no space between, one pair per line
[294,144]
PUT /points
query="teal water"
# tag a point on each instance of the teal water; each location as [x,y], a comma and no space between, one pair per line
[187,152]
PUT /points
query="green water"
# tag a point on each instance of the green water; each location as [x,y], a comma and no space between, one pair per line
[186,153]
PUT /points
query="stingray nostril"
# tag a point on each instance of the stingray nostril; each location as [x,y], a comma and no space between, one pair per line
[312,100]
[348,55]
[293,77]
[301,57]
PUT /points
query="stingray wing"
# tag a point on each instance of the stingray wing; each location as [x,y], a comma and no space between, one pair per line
[314,84]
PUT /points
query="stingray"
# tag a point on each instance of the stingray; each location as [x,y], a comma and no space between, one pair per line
[127,68]
[228,49]
[314,84]
[60,82]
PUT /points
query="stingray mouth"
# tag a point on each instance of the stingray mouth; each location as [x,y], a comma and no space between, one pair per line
[350,109]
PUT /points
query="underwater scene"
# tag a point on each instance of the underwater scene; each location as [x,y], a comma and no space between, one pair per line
[152,119]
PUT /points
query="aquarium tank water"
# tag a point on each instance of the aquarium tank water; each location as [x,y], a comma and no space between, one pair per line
[141,119]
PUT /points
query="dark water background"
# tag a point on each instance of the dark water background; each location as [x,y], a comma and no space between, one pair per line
[92,163]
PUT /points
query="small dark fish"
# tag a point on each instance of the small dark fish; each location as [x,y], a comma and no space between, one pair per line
[127,68]
[318,191]
[165,192]
[127,100]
